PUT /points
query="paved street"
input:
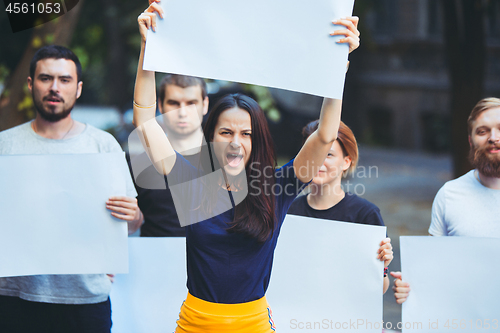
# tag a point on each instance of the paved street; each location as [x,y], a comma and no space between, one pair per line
[403,185]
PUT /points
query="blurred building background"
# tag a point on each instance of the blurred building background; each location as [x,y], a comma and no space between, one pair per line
[403,87]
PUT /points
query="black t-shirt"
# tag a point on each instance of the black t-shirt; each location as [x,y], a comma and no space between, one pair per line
[155,201]
[350,209]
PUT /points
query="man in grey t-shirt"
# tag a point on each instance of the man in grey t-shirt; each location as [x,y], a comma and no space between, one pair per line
[60,303]
[469,205]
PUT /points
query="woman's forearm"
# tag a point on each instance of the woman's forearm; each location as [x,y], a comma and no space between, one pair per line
[386,283]
[152,136]
[329,120]
[314,151]
[144,92]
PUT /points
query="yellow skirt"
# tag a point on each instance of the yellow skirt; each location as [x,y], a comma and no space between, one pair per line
[198,316]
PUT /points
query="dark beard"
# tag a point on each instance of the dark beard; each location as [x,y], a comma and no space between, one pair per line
[486,163]
[48,116]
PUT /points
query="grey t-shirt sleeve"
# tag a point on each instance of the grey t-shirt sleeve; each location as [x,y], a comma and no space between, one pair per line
[438,225]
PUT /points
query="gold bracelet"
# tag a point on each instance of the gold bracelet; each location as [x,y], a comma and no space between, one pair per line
[144,107]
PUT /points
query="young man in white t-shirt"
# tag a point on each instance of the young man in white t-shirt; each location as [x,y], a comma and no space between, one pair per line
[470,205]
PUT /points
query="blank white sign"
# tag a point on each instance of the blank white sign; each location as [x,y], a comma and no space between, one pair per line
[324,271]
[54,218]
[149,298]
[454,284]
[326,276]
[281,43]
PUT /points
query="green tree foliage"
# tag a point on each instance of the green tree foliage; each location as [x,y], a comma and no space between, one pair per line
[103,34]
[107,42]
[15,102]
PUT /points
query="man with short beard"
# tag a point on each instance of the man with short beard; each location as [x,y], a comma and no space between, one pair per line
[470,205]
[60,303]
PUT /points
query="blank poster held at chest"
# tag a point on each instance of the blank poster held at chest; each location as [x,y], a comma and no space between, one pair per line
[323,270]
[454,284]
[326,276]
[283,44]
[54,216]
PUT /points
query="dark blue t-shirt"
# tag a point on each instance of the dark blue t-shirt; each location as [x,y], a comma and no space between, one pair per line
[228,267]
[350,209]
[155,199]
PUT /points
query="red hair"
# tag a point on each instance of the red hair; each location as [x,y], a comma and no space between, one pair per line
[345,138]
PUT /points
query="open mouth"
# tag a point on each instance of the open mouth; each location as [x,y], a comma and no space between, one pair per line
[233,160]
[53,99]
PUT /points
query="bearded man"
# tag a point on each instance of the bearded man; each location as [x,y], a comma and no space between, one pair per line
[60,303]
[470,205]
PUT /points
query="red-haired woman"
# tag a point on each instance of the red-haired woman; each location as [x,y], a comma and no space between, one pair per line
[230,252]
[327,199]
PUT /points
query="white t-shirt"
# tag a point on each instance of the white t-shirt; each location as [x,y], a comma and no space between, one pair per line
[464,207]
[61,289]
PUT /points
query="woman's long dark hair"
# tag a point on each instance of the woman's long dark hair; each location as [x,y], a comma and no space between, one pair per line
[255,215]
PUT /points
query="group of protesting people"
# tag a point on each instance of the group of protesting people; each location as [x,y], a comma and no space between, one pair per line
[229,251]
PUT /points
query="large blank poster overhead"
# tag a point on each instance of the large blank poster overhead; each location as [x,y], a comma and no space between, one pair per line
[281,43]
[454,284]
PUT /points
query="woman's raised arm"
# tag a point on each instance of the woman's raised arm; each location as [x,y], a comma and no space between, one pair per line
[314,151]
[152,136]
